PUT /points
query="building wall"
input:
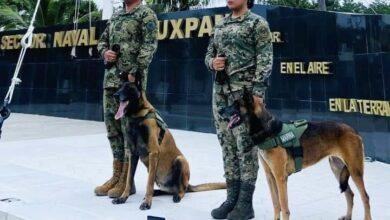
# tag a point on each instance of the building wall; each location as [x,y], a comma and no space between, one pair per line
[327,66]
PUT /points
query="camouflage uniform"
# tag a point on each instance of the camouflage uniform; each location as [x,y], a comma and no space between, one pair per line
[246,43]
[136,34]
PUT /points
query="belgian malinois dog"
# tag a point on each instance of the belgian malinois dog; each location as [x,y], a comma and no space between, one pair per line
[167,166]
[338,141]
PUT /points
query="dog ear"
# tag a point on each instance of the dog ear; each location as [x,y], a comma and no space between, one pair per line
[118,94]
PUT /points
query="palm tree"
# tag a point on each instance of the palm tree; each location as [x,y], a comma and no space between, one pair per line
[12,14]
[172,5]
[16,14]
[289,3]
[380,7]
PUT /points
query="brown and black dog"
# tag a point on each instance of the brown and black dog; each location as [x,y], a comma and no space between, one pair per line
[338,141]
[166,165]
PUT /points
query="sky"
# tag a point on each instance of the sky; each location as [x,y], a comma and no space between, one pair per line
[100,2]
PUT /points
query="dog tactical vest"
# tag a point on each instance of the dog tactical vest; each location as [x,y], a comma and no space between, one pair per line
[288,138]
[135,122]
[160,122]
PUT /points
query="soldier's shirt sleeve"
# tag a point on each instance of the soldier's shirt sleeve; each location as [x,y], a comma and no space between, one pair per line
[149,40]
[264,57]
[210,53]
[103,43]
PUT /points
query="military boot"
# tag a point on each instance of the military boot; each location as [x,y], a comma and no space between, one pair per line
[244,207]
[109,184]
[233,188]
[121,184]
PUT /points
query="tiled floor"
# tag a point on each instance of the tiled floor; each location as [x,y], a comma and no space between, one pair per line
[50,166]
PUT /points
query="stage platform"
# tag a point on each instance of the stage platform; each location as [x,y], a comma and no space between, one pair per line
[49,167]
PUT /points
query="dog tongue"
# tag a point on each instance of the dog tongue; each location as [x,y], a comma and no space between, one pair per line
[234,121]
[121,110]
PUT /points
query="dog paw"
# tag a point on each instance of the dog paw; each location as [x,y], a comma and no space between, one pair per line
[176,198]
[145,206]
[119,200]
[345,218]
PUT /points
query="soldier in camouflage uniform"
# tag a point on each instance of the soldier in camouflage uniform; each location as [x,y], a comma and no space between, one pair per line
[135,31]
[245,41]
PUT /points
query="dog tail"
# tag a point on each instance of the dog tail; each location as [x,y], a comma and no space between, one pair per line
[206,187]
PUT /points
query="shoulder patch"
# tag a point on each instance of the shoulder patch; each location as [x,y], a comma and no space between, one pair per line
[151,25]
[221,22]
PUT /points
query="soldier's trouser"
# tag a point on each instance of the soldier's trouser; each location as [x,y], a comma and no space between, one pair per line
[239,155]
[130,136]
[115,128]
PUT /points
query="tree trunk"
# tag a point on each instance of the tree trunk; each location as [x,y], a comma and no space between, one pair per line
[321,5]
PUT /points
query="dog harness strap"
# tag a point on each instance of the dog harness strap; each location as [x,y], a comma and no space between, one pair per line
[299,123]
[296,150]
[163,126]
[297,154]
[284,138]
[289,138]
[270,143]
[134,125]
[160,122]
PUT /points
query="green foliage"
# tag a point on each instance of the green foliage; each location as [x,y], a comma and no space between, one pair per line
[307,4]
[380,7]
[161,6]
[376,7]
[9,18]
[95,16]
[351,6]
[15,14]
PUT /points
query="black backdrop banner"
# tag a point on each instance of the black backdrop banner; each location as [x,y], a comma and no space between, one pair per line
[327,66]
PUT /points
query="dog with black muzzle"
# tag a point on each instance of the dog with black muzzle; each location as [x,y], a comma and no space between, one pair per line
[337,141]
[153,143]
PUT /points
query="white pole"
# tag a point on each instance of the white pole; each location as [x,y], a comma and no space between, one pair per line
[26,42]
